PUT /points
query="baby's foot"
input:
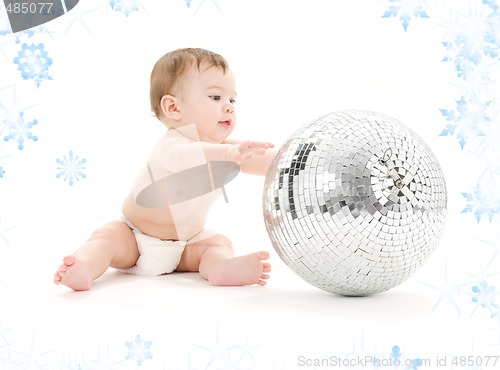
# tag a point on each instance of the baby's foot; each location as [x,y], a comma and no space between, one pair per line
[74,273]
[243,270]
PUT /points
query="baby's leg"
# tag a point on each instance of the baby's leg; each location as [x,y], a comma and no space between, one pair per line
[112,245]
[212,255]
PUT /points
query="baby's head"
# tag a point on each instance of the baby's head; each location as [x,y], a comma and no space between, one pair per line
[169,71]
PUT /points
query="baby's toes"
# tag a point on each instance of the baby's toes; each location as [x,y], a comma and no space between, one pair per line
[68,261]
[262,256]
[266,267]
[58,276]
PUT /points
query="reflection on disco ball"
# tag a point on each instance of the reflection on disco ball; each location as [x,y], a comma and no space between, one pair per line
[354,202]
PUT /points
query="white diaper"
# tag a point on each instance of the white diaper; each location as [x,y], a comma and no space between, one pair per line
[156,256]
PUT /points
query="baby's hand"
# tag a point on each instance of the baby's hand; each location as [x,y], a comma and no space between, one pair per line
[245,150]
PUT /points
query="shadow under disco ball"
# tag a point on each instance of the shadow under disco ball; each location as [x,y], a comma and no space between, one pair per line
[354,202]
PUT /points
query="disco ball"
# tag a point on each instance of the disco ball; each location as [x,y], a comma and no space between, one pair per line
[354,202]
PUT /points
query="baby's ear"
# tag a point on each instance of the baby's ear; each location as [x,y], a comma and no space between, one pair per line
[169,107]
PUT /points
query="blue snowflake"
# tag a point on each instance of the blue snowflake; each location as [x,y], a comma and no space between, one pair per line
[124,6]
[481,203]
[19,129]
[138,350]
[492,22]
[71,168]
[2,172]
[34,63]
[476,37]
[188,3]
[406,9]
[397,358]
[484,295]
[492,4]
[395,352]
[415,364]
[470,118]
[465,56]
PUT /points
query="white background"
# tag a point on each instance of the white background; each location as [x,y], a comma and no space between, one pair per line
[294,61]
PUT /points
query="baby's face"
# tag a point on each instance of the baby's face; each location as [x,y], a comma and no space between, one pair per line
[208,101]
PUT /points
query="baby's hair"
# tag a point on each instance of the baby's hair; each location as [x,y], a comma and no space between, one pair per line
[170,67]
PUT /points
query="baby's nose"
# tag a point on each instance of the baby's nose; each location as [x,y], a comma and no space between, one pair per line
[229,108]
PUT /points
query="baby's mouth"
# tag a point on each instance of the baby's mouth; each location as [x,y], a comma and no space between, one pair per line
[226,124]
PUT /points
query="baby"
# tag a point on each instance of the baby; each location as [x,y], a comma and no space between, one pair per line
[193,94]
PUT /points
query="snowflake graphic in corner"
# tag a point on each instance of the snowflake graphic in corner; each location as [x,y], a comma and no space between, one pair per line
[472,38]
[492,19]
[406,9]
[470,119]
[124,6]
[138,350]
[461,53]
[481,203]
[484,295]
[34,63]
[2,172]
[19,129]
[71,168]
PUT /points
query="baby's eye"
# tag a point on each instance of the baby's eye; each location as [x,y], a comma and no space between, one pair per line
[215,97]
[232,101]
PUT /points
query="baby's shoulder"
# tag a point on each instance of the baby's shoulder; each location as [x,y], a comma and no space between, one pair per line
[177,152]
[171,141]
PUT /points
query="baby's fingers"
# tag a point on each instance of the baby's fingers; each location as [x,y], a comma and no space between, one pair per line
[248,149]
[261,145]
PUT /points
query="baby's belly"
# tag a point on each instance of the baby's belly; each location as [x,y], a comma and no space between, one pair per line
[180,221]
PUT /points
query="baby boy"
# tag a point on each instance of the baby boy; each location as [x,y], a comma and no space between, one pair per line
[193,94]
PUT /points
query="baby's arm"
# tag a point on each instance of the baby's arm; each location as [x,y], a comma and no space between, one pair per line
[244,153]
